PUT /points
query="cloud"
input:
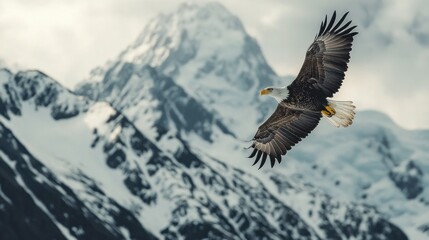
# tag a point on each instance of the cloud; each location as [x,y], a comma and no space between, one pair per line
[390,56]
[371,12]
[418,28]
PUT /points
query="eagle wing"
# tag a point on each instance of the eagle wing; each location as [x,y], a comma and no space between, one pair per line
[327,57]
[282,130]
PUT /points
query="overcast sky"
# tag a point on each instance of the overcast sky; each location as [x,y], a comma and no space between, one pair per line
[388,70]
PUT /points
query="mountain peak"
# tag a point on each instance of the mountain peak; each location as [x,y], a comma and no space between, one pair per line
[206,50]
[182,33]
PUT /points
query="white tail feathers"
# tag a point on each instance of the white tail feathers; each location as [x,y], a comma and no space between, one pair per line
[343,113]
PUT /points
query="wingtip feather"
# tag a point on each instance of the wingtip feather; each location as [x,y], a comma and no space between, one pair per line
[331,22]
[279,158]
[257,158]
[272,160]
[264,159]
[253,153]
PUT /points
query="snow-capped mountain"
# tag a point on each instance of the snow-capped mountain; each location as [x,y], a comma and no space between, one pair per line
[47,153]
[374,162]
[86,172]
[207,51]
[149,149]
[156,104]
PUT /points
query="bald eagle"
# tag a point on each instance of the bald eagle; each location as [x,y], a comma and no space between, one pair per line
[302,104]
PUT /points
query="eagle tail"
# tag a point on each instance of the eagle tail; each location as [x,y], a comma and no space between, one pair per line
[339,113]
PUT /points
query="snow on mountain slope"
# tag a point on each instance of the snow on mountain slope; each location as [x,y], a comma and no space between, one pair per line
[87,154]
[34,203]
[163,110]
[156,104]
[49,121]
[317,208]
[206,50]
[372,162]
[107,162]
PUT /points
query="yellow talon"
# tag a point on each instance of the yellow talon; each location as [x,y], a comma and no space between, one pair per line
[326,113]
[330,110]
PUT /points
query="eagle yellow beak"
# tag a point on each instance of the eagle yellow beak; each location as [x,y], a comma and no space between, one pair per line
[264,92]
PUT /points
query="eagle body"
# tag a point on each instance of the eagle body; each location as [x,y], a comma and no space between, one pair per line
[303,95]
[305,101]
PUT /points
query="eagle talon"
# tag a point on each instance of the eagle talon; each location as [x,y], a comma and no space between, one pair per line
[330,109]
[326,113]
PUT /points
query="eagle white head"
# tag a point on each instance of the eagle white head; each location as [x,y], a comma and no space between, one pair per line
[279,93]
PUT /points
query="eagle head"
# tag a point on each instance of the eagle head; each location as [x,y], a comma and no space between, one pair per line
[279,93]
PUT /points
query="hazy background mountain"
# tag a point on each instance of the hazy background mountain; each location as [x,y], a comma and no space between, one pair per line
[150,145]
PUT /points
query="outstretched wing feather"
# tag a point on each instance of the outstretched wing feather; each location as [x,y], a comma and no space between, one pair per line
[282,130]
[327,57]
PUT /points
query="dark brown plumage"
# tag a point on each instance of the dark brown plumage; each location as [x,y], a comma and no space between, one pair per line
[319,78]
[327,57]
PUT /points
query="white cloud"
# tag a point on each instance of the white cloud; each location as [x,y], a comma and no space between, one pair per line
[390,57]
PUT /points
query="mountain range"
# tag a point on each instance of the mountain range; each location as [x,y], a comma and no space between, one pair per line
[150,146]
